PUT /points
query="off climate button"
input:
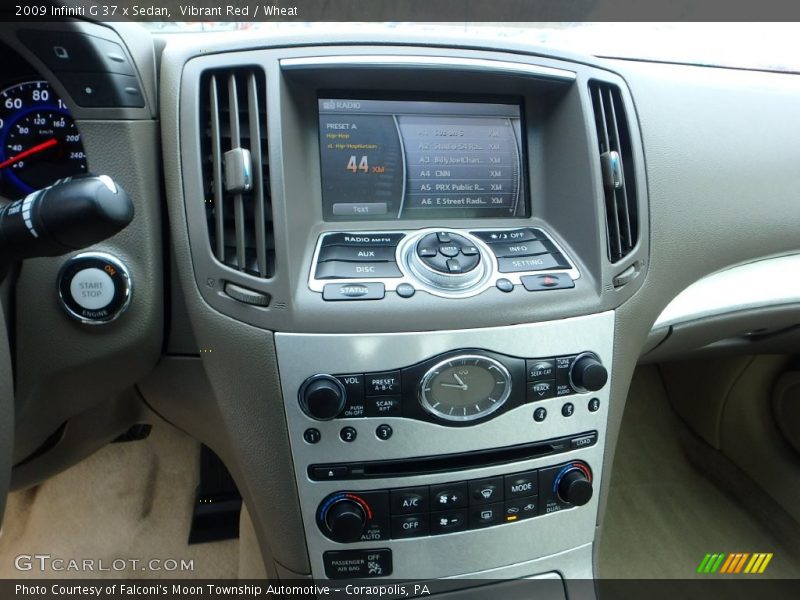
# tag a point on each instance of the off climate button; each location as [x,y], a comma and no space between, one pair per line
[94,287]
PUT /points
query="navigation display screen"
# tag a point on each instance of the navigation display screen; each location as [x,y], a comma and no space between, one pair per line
[392,159]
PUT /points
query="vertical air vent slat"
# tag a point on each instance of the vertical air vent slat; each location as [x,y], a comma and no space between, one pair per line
[258,179]
[613,137]
[236,142]
[236,169]
[216,177]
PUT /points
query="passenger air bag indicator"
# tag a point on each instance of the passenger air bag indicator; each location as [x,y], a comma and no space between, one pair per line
[357,564]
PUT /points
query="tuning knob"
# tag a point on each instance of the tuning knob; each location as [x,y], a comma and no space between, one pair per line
[322,397]
[587,373]
[344,521]
[574,485]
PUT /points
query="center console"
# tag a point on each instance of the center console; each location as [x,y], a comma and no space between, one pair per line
[439,239]
[406,446]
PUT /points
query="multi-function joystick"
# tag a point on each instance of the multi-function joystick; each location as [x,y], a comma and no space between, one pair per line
[447,260]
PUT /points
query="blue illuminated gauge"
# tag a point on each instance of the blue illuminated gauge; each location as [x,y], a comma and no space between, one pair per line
[39,142]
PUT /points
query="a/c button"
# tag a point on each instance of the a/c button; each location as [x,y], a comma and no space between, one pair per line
[92,289]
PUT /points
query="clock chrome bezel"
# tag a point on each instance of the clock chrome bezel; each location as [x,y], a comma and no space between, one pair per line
[425,402]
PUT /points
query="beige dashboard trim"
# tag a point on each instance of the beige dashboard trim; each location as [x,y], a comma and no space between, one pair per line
[760,284]
[452,63]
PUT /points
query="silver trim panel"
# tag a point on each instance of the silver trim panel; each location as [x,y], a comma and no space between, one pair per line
[426,62]
[761,284]
[302,355]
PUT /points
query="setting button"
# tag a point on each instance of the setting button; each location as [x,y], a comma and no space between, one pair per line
[409,500]
[541,262]
[449,495]
[484,491]
[94,288]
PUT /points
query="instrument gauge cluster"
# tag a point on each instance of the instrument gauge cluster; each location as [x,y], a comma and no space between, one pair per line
[39,141]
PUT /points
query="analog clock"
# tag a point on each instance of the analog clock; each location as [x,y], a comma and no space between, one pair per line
[465,388]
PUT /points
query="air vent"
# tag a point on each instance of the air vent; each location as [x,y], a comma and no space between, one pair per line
[236,169]
[616,162]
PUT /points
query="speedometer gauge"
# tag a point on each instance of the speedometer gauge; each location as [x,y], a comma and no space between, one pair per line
[39,142]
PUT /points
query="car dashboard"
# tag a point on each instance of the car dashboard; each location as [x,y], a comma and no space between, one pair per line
[399,285]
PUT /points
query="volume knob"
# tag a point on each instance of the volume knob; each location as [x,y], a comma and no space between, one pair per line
[587,373]
[322,397]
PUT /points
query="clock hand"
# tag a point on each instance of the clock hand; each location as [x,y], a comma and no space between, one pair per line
[454,385]
[459,380]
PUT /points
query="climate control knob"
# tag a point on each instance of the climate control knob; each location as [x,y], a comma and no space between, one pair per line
[574,485]
[344,520]
[587,373]
[322,397]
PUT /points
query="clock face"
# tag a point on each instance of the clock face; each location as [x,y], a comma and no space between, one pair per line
[465,388]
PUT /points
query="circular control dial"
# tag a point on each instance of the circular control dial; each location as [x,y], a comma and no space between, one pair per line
[587,373]
[465,388]
[322,397]
[574,484]
[447,261]
[448,253]
[343,517]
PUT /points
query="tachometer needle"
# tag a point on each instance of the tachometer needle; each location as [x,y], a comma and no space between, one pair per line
[26,153]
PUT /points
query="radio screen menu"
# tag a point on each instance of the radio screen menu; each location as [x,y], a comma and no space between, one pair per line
[386,159]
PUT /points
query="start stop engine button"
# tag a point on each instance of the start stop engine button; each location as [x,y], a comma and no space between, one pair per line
[94,287]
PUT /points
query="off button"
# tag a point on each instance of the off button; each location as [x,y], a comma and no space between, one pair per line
[94,287]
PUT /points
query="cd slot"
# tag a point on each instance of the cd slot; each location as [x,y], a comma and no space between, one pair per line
[447,463]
